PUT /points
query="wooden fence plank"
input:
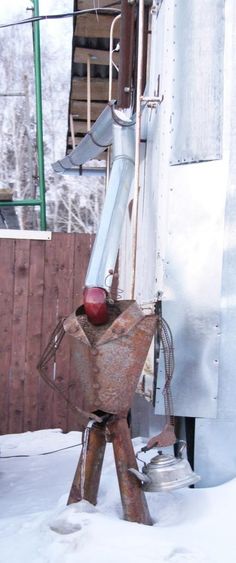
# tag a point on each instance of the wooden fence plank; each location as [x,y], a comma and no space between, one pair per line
[6,299]
[83,248]
[34,334]
[65,261]
[16,389]
[49,321]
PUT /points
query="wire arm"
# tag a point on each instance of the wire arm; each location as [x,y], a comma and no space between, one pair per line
[50,353]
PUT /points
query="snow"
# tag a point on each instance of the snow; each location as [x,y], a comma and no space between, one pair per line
[36,526]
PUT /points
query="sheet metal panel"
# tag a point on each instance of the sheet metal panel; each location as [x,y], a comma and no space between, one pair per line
[192,285]
[188,206]
[227,383]
[155,130]
[215,452]
[196,122]
[180,240]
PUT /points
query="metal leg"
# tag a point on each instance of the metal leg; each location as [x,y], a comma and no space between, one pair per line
[87,477]
[134,503]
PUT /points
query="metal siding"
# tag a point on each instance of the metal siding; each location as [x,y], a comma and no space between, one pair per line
[197,81]
[180,240]
[187,204]
[192,285]
[215,440]
[191,258]
[152,202]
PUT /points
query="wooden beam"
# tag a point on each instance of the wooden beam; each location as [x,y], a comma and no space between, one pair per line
[87,4]
[80,127]
[99,89]
[79,109]
[97,56]
[5,194]
[92,25]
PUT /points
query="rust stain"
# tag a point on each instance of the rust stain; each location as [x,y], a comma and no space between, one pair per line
[109,359]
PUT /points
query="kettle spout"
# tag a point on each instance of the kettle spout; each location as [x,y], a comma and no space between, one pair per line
[140,476]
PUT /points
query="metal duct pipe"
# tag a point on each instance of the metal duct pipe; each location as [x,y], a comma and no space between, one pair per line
[95,141]
[91,146]
[106,245]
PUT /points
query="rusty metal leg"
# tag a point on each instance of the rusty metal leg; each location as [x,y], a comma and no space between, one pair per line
[134,503]
[87,476]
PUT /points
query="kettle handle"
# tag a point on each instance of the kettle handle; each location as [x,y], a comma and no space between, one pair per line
[139,458]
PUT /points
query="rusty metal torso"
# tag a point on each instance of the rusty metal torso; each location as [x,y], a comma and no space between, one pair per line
[109,359]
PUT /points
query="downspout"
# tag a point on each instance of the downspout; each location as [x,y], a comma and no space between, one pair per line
[39,116]
[111,125]
[125,165]
[105,249]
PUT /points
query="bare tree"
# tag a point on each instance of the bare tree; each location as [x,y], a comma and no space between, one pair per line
[73,204]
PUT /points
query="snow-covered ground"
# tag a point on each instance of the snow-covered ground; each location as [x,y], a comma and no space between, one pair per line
[36,526]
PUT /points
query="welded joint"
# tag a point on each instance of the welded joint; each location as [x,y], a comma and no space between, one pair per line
[152,101]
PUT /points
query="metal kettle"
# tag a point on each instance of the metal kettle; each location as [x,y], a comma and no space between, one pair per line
[165,472]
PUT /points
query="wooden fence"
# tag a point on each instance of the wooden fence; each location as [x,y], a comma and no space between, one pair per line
[40,281]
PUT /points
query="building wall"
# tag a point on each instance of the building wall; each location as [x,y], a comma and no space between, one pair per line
[185,251]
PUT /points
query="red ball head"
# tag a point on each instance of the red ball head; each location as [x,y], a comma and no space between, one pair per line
[95,305]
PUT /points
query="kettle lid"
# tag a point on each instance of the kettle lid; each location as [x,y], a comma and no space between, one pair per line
[163,459]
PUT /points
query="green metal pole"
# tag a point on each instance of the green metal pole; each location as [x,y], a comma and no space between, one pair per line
[39,115]
[21,203]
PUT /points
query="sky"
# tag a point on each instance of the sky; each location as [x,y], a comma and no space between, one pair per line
[56,29]
[8,11]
